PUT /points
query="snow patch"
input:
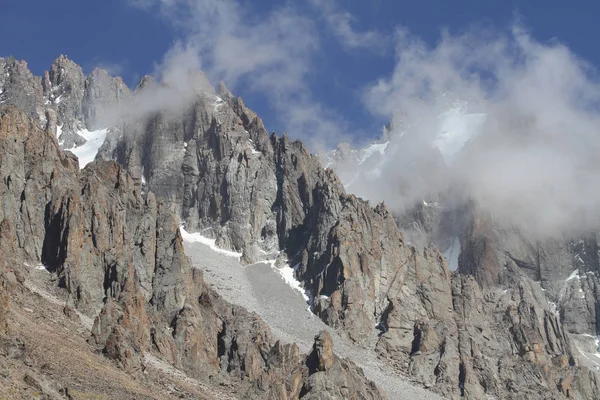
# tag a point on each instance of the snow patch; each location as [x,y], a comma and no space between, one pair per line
[574,275]
[250,144]
[287,273]
[372,149]
[58,131]
[198,238]
[86,153]
[218,103]
[40,267]
[592,351]
[58,99]
[452,252]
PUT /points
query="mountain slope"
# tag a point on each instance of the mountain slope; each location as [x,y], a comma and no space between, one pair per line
[486,330]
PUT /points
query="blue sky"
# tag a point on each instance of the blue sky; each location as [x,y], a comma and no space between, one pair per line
[326,69]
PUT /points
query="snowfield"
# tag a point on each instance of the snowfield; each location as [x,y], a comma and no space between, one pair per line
[86,153]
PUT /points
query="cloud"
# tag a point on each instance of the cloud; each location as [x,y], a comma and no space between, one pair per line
[271,53]
[113,68]
[529,111]
[340,23]
[177,81]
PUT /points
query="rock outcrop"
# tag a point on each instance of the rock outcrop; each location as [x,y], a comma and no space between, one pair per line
[332,378]
[63,101]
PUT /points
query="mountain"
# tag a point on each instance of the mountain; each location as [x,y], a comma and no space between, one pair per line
[92,269]
[511,320]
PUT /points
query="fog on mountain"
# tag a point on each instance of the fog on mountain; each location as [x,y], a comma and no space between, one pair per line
[510,121]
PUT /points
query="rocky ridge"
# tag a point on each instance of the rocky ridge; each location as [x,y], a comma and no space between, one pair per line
[117,256]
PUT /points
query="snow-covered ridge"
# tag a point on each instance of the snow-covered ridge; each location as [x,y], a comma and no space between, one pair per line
[373,149]
[450,132]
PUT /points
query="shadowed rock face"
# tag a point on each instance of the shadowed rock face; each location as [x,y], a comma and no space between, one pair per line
[487,330]
[119,255]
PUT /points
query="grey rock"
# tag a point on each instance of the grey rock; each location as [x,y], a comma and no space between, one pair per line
[102,94]
[333,378]
[486,330]
[216,165]
[19,87]
[63,89]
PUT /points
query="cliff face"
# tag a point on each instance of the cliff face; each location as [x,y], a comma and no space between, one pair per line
[109,234]
[118,255]
[487,331]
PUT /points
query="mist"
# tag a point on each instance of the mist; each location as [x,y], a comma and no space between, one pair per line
[272,56]
[529,111]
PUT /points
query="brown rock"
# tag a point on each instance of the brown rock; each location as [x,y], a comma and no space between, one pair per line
[321,358]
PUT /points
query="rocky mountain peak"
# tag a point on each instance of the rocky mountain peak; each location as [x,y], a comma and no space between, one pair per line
[20,87]
[146,81]
[63,88]
[507,321]
[223,91]
[102,93]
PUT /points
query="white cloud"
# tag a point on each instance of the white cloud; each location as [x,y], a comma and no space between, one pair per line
[271,54]
[112,68]
[180,80]
[340,23]
[535,161]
